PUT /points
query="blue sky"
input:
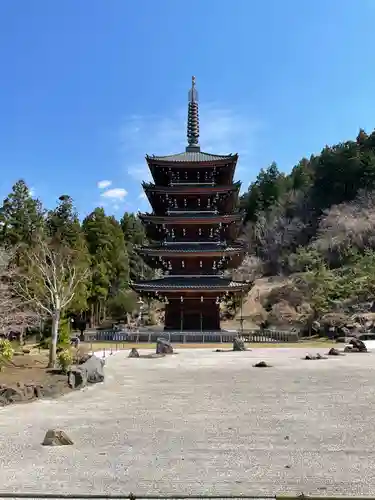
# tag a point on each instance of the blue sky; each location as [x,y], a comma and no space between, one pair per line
[88,87]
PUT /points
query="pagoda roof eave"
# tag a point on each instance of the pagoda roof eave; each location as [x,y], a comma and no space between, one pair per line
[176,284]
[150,187]
[210,250]
[195,219]
[192,159]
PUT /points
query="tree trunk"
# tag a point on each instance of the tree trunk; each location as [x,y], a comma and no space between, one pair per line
[91,320]
[54,338]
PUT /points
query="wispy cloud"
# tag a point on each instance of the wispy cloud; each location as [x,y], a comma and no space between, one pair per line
[117,194]
[113,199]
[103,184]
[222,131]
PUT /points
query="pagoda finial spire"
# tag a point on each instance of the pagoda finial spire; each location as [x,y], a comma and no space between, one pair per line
[193,119]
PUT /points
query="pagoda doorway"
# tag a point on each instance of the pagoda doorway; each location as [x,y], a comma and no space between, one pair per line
[192,320]
[192,315]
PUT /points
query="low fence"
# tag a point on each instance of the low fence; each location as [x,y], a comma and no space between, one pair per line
[132,496]
[182,337]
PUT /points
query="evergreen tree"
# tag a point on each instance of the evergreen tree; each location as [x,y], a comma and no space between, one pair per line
[109,261]
[20,216]
[135,236]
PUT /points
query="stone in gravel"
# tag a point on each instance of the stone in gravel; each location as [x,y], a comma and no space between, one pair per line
[314,357]
[12,395]
[29,391]
[56,438]
[334,352]
[77,378]
[319,356]
[38,391]
[133,353]
[261,364]
[3,402]
[163,347]
[238,344]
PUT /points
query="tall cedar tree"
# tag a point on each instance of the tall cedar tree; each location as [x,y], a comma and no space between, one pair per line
[109,261]
[20,217]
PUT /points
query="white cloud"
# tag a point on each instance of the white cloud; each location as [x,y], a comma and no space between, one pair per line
[32,191]
[142,196]
[116,194]
[104,184]
[222,131]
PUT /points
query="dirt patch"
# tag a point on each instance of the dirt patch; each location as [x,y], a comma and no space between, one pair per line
[31,370]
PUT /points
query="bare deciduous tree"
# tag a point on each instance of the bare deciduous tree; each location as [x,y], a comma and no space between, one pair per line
[50,283]
[272,238]
[15,314]
[347,225]
[249,270]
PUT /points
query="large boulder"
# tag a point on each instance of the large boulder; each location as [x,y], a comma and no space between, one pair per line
[355,345]
[163,347]
[238,344]
[89,372]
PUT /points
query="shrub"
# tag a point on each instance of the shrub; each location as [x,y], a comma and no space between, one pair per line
[65,359]
[6,352]
[64,332]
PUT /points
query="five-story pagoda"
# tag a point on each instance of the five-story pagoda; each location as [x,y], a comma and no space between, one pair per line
[192,230]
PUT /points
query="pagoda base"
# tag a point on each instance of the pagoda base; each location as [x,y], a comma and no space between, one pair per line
[192,315]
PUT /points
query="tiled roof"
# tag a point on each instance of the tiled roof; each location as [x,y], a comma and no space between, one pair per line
[192,157]
[201,283]
[186,247]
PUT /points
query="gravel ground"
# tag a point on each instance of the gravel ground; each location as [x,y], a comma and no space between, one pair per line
[202,422]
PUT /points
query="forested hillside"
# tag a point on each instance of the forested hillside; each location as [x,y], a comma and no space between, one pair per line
[314,226]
